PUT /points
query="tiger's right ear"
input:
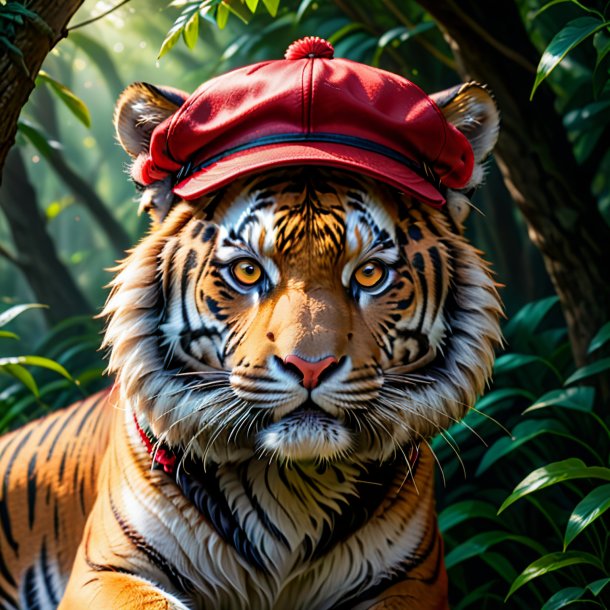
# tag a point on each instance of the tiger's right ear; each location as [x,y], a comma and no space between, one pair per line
[139,109]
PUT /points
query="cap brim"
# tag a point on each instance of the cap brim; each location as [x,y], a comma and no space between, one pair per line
[374,165]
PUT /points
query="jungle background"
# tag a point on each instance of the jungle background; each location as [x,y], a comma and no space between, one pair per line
[524,481]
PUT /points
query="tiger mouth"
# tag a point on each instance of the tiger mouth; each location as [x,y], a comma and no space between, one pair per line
[308,409]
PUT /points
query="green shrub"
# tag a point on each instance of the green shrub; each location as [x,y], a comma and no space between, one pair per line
[528,528]
[66,367]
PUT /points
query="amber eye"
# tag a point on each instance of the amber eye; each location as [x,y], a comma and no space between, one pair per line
[246,271]
[370,274]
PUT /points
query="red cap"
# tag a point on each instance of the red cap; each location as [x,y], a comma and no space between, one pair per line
[308,109]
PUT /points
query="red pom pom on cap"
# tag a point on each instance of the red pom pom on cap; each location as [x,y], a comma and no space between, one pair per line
[309,47]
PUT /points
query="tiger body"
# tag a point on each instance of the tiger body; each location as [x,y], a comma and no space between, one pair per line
[36,570]
[297,486]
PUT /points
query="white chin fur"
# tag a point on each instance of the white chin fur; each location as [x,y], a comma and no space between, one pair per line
[304,437]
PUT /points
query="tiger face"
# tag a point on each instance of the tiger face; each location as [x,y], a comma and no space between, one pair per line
[302,314]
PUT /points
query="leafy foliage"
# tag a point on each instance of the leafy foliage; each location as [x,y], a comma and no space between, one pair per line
[187,23]
[32,385]
[543,541]
[13,15]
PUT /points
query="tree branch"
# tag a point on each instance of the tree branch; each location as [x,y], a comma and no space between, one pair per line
[82,24]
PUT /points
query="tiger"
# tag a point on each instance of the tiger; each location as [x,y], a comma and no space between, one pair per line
[283,348]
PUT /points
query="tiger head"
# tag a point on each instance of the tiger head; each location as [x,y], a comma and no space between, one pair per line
[304,313]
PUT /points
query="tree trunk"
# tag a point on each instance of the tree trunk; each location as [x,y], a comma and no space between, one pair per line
[35,253]
[15,84]
[535,157]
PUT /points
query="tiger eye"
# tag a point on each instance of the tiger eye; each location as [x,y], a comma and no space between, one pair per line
[246,271]
[370,274]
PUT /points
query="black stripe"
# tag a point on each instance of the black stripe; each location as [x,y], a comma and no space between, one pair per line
[202,488]
[32,488]
[5,520]
[418,263]
[258,509]
[5,573]
[12,602]
[56,521]
[46,575]
[189,264]
[437,264]
[181,583]
[398,574]
[88,413]
[67,420]
[30,592]
[354,514]
[62,464]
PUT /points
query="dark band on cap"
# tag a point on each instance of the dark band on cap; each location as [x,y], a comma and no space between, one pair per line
[422,169]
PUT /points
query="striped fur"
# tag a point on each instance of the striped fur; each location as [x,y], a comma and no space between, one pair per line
[286,498]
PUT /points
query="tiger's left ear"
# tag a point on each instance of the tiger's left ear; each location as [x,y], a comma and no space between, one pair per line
[472,109]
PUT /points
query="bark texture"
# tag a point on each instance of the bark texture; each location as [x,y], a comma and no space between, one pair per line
[15,84]
[35,253]
[535,157]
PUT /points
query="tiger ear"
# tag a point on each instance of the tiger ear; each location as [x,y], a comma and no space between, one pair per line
[472,109]
[139,109]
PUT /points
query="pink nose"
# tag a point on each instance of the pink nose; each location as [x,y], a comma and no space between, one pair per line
[310,371]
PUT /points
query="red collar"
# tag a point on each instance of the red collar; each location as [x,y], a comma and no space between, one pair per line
[165,458]
[161,455]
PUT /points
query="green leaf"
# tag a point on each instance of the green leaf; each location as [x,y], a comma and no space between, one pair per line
[305,4]
[563,598]
[76,106]
[398,35]
[238,8]
[498,396]
[10,314]
[252,4]
[7,334]
[550,563]
[222,15]
[523,432]
[20,373]
[603,364]
[501,565]
[575,2]
[511,362]
[601,337]
[191,30]
[346,30]
[479,543]
[601,42]
[598,586]
[37,138]
[462,511]
[39,361]
[479,595]
[557,472]
[592,506]
[178,26]
[562,43]
[529,317]
[579,398]
[272,6]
